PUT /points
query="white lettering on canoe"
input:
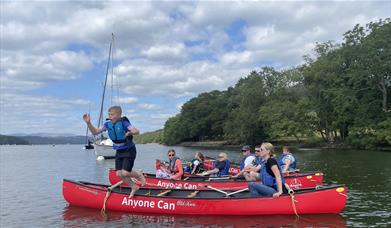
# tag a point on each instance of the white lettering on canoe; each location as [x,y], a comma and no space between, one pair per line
[164,205]
[185,203]
[161,204]
[173,185]
[295,184]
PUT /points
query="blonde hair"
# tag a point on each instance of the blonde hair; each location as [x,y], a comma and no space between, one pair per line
[269,147]
[116,108]
[224,155]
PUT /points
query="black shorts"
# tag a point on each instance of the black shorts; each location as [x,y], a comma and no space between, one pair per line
[124,159]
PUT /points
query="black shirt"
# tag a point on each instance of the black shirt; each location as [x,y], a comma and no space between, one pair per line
[269,163]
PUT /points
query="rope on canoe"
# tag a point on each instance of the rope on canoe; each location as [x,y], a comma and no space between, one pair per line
[108,192]
[292,195]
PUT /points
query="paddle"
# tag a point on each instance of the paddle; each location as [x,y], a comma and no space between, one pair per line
[224,192]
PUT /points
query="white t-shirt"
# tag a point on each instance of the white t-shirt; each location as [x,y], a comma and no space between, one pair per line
[248,160]
[196,163]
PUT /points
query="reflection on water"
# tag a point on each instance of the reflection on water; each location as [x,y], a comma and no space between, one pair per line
[84,217]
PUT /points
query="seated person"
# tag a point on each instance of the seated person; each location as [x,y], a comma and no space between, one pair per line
[256,165]
[245,163]
[287,161]
[162,171]
[220,167]
[272,181]
[175,167]
[197,164]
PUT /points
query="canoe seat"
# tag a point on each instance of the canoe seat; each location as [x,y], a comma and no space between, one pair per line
[193,194]
[163,193]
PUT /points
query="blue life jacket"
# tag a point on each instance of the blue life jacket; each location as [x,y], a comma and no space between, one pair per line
[281,163]
[224,171]
[268,179]
[117,131]
[257,161]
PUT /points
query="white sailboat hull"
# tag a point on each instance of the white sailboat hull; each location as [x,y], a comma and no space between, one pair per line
[106,151]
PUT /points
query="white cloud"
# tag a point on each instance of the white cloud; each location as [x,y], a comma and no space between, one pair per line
[165,52]
[126,100]
[146,106]
[42,43]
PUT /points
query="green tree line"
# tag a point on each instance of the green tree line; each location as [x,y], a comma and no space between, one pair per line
[341,94]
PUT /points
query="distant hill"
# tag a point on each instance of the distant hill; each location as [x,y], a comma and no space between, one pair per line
[40,140]
[150,137]
[4,140]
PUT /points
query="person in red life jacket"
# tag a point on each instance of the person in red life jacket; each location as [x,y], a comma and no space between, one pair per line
[175,166]
[121,132]
[245,163]
[220,167]
[272,181]
[287,161]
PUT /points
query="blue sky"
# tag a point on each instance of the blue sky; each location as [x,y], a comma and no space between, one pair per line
[53,54]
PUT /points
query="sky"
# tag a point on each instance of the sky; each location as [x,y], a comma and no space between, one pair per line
[54,54]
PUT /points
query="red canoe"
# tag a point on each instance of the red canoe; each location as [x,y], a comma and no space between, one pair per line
[326,200]
[295,181]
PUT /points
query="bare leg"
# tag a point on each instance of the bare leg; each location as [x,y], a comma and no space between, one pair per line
[127,177]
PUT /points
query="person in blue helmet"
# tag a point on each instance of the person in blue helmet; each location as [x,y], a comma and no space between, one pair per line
[272,181]
[121,132]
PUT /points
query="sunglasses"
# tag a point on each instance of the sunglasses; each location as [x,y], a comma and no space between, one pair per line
[171,155]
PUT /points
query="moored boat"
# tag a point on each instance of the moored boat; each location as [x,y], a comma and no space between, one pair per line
[296,181]
[325,200]
[104,148]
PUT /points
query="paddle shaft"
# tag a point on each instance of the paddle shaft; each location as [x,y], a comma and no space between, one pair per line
[238,191]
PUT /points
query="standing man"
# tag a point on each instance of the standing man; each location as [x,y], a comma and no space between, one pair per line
[121,132]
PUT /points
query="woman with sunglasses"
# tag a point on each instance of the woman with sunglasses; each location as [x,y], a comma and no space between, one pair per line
[175,166]
[220,167]
[272,181]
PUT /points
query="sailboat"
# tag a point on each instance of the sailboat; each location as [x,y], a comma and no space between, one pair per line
[103,146]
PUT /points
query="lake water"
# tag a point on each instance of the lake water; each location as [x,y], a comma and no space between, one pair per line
[31,184]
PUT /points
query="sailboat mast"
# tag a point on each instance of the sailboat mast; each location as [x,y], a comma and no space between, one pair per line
[100,120]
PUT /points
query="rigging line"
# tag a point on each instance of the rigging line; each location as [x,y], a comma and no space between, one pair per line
[104,87]
[112,70]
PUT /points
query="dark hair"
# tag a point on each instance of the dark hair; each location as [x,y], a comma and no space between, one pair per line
[171,150]
[201,156]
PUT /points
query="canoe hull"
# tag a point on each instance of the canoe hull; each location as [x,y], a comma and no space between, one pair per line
[325,201]
[104,150]
[295,181]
